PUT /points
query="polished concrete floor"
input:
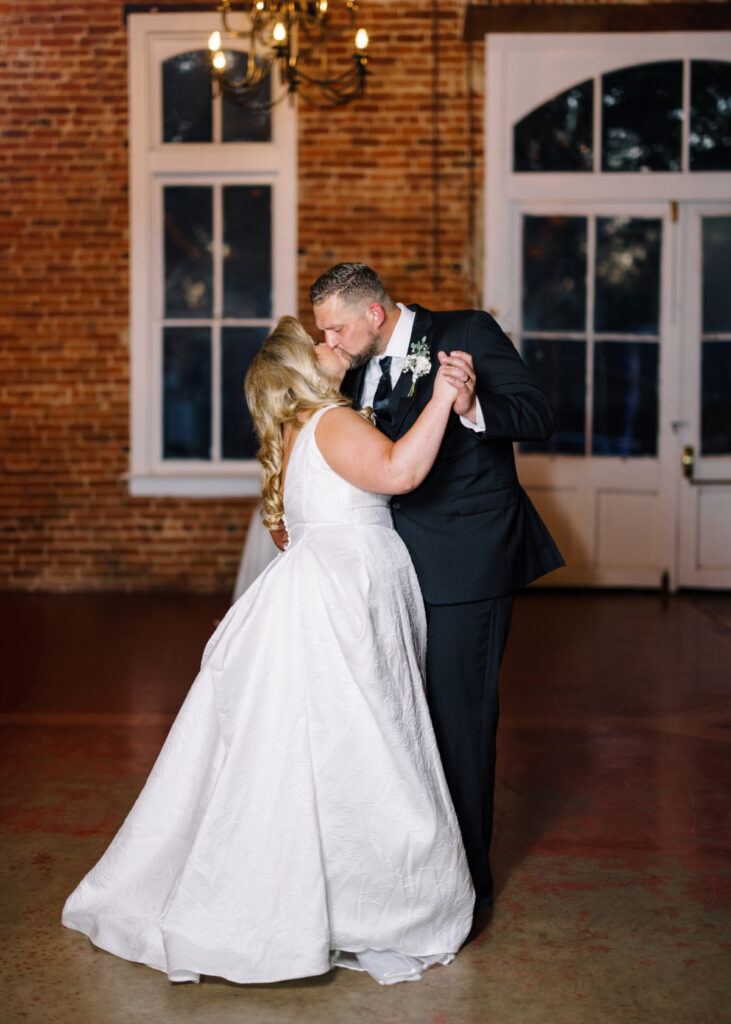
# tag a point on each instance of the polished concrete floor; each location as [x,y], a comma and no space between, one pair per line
[612,834]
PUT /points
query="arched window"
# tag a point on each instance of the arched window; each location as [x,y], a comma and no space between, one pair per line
[642,110]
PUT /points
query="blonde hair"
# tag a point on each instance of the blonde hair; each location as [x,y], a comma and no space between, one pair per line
[283,382]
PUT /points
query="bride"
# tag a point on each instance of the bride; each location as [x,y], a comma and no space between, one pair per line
[297,817]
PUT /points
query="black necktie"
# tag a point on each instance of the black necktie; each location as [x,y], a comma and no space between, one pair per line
[383,391]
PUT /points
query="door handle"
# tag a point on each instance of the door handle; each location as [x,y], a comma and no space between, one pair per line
[687,464]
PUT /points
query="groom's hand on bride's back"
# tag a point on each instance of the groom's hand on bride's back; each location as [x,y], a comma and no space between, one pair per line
[280,535]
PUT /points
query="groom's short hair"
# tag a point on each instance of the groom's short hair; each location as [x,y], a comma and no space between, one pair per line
[352,282]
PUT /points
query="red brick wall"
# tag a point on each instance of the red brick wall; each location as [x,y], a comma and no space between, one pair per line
[394,180]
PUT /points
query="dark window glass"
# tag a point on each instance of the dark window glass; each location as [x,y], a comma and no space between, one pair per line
[627,275]
[238,123]
[642,113]
[239,346]
[625,398]
[186,98]
[247,236]
[557,136]
[188,263]
[716,241]
[186,375]
[716,398]
[560,369]
[554,273]
[710,115]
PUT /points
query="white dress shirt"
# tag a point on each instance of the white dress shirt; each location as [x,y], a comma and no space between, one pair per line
[397,349]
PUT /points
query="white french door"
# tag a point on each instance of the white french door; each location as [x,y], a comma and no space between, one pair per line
[596,319]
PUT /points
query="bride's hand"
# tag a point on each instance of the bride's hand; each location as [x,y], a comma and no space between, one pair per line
[446,384]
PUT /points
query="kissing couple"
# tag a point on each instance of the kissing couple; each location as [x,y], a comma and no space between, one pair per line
[324,796]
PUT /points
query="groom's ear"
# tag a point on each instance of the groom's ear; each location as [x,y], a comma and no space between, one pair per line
[376,315]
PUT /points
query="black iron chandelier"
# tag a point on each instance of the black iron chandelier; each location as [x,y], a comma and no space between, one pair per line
[293,36]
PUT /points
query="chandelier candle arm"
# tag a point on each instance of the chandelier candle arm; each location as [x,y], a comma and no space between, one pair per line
[273,35]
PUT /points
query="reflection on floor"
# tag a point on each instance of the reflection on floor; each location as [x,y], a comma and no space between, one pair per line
[611,849]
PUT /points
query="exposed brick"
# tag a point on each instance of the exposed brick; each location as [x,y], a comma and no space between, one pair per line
[375,178]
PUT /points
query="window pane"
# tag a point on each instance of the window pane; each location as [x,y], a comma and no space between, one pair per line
[188,239]
[627,275]
[247,236]
[239,346]
[716,398]
[716,274]
[186,393]
[186,98]
[557,136]
[710,115]
[554,273]
[240,124]
[560,369]
[642,113]
[625,398]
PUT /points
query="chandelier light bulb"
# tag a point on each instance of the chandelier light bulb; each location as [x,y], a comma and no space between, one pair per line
[289,39]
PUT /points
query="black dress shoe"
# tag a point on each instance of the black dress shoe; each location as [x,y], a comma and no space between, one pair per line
[483,899]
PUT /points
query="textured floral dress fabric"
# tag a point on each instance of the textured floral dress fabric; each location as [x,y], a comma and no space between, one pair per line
[297,814]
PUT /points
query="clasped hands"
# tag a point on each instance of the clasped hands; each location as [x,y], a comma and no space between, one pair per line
[460,372]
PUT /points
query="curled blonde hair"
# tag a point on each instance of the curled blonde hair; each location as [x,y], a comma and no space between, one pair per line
[283,382]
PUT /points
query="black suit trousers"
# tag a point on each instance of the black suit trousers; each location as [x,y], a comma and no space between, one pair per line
[465,644]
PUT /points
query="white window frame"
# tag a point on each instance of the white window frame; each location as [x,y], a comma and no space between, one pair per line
[152,38]
[524,71]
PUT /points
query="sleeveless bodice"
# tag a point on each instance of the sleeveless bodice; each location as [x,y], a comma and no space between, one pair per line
[314,494]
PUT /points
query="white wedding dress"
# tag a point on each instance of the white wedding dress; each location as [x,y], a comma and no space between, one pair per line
[297,816]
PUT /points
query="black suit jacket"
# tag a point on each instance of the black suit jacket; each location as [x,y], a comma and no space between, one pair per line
[470,528]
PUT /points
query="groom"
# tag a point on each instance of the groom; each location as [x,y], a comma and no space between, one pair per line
[470,529]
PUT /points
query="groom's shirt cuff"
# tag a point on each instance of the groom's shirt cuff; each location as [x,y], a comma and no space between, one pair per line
[479,426]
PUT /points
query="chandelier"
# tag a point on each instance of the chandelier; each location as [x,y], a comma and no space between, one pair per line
[293,36]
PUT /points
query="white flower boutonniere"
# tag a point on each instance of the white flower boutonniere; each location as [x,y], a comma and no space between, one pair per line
[418,362]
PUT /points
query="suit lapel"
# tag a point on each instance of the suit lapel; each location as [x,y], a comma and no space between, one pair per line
[400,401]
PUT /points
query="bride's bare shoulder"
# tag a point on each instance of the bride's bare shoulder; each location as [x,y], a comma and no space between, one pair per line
[340,427]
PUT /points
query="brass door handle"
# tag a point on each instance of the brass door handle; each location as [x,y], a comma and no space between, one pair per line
[687,463]
[687,460]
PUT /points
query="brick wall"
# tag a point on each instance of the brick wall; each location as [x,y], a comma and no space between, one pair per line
[394,180]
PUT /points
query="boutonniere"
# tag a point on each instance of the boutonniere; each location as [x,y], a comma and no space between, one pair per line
[417,362]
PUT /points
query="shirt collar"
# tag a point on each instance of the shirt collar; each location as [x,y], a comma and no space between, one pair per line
[398,343]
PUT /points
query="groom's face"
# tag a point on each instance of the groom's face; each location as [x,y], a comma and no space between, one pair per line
[351,331]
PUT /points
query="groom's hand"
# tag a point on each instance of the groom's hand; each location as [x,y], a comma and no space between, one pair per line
[461,373]
[280,536]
